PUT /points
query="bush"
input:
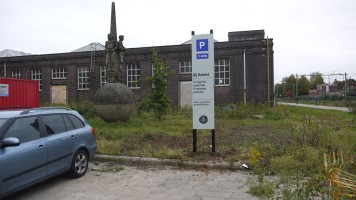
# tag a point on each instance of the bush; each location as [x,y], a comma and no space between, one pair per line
[85,108]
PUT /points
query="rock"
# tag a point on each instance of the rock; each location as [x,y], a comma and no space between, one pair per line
[114,102]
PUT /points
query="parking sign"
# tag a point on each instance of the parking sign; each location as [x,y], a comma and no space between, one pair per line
[203,81]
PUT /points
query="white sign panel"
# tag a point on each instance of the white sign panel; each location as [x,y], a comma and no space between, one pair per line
[203,81]
[4,90]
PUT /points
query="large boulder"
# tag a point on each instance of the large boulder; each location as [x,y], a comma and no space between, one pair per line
[114,102]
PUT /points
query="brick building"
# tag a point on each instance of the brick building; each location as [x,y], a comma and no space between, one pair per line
[77,75]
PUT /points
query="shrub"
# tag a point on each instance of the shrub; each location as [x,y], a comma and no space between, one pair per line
[85,108]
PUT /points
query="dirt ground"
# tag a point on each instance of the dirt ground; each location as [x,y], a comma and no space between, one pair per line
[112,182]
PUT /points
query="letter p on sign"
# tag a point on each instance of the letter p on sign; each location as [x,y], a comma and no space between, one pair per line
[202,45]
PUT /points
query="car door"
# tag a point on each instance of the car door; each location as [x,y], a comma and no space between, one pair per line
[61,140]
[24,164]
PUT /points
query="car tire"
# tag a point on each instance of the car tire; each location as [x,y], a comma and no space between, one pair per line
[79,164]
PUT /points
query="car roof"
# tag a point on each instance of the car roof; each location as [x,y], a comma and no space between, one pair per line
[34,111]
[9,113]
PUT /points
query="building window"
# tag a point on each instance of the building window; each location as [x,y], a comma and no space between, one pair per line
[103,78]
[133,75]
[185,67]
[16,73]
[36,74]
[59,73]
[222,72]
[83,78]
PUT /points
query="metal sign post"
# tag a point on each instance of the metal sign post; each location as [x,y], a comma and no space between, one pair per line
[203,85]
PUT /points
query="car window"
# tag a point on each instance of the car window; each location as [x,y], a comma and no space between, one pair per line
[54,124]
[2,121]
[25,129]
[68,123]
[76,121]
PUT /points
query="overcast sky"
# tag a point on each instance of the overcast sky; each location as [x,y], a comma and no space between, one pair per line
[308,35]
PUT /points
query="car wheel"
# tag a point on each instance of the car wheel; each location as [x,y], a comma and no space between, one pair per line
[79,164]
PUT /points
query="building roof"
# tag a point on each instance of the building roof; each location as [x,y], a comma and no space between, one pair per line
[95,46]
[12,53]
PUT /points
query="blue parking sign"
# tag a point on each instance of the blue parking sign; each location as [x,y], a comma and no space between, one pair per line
[202,45]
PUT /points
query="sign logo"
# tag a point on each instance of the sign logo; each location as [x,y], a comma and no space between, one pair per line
[202,45]
[203,119]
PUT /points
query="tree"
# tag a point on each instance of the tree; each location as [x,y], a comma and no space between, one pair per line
[157,101]
[289,85]
[303,86]
[350,86]
[279,92]
[316,78]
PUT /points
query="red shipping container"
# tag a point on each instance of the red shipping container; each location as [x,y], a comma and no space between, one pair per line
[19,93]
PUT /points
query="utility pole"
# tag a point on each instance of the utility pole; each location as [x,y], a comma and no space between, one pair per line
[345,87]
[268,84]
[345,84]
[245,93]
[296,86]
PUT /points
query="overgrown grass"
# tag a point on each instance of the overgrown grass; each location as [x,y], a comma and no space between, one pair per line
[294,135]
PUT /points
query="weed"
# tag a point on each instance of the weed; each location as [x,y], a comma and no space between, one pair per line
[303,160]
[262,189]
[310,132]
[256,157]
[113,168]
[295,188]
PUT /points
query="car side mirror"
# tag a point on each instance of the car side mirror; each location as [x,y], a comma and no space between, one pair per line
[10,142]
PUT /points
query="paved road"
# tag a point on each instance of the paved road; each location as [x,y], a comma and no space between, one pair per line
[135,183]
[344,109]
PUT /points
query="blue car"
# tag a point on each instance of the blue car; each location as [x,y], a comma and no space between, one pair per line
[39,143]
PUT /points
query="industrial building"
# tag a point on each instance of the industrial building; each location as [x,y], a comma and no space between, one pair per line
[243,70]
